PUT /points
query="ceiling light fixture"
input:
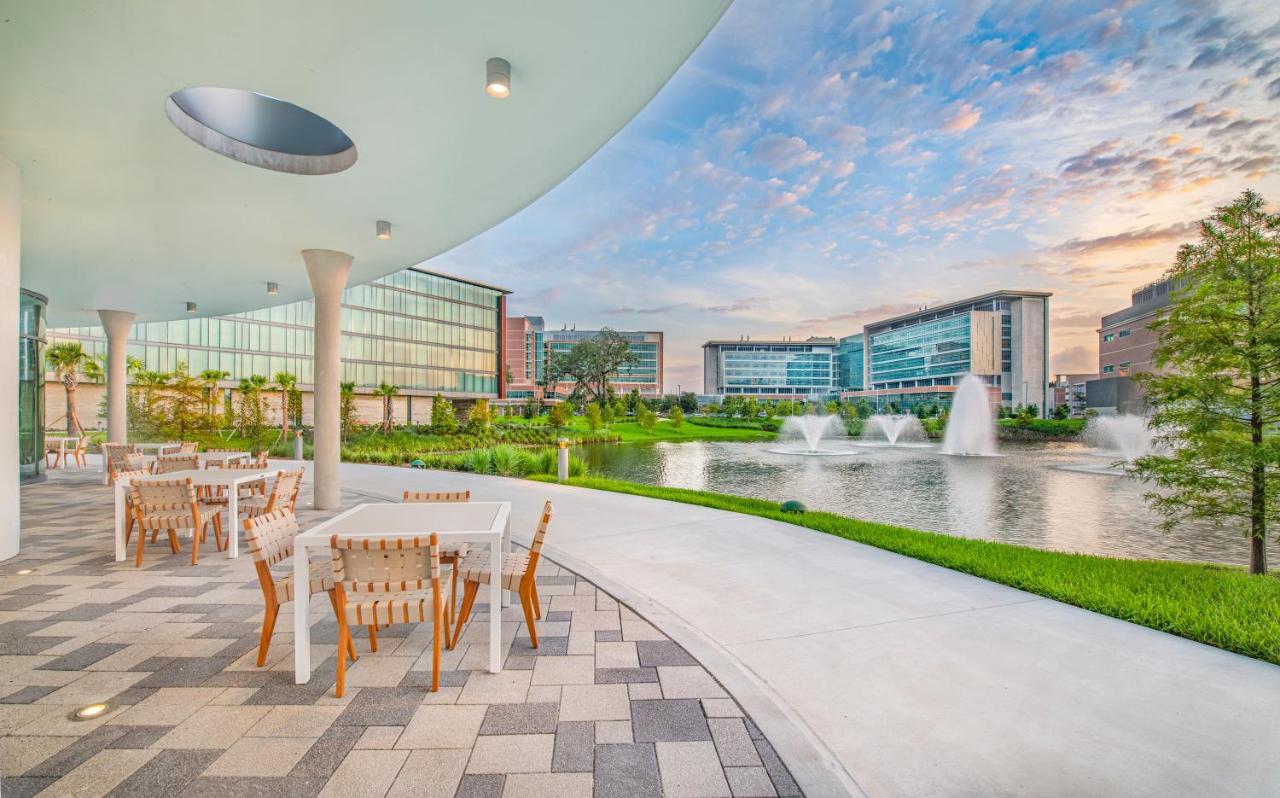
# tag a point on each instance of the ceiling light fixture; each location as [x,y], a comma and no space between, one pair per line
[498,78]
[90,711]
[273,288]
[191,307]
[384,229]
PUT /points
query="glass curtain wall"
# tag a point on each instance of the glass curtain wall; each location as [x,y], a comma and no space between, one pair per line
[31,343]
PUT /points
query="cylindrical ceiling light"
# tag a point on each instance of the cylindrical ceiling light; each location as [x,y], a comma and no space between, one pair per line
[384,229]
[191,307]
[273,288]
[498,78]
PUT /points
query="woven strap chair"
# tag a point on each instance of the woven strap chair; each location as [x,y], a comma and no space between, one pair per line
[168,463]
[170,505]
[450,553]
[386,581]
[270,540]
[283,496]
[188,447]
[115,454]
[82,451]
[519,574]
[129,520]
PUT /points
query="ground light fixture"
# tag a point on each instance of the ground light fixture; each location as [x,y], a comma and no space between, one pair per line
[498,78]
[26,571]
[90,711]
[384,229]
[191,307]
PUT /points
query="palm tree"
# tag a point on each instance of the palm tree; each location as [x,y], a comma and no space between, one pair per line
[95,368]
[210,378]
[386,391]
[67,359]
[347,408]
[286,383]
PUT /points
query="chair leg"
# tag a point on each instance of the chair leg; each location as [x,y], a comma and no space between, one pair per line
[351,644]
[537,603]
[154,532]
[174,545]
[217,531]
[373,637]
[142,541]
[128,527]
[196,535]
[526,601]
[438,630]
[268,626]
[469,591]
[453,594]
[344,637]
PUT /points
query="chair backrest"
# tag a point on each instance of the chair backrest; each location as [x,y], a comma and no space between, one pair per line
[270,536]
[215,449]
[414,496]
[284,494]
[252,465]
[82,444]
[164,503]
[166,463]
[130,475]
[188,447]
[536,547]
[385,565]
[132,461]
[115,453]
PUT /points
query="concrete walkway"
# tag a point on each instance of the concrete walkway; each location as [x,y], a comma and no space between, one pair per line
[877,674]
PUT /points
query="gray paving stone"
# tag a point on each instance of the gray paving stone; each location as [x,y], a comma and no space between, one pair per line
[554,617]
[662,652]
[626,675]
[573,752]
[518,662]
[25,786]
[247,787]
[165,775]
[185,671]
[421,680]
[778,773]
[481,786]
[322,758]
[668,721]
[547,647]
[27,695]
[608,635]
[82,657]
[21,602]
[79,752]
[90,612]
[734,747]
[381,706]
[139,736]
[520,719]
[627,771]
[22,646]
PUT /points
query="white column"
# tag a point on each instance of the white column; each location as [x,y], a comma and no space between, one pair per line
[328,272]
[117,324]
[10,250]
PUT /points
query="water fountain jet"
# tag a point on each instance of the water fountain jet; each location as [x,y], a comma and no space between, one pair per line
[971,426]
[812,429]
[895,429]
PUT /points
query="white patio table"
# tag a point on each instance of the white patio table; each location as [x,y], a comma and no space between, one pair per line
[473,522]
[209,459]
[153,448]
[231,479]
[61,441]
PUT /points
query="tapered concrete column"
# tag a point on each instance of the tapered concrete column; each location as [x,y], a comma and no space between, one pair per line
[328,272]
[10,251]
[117,324]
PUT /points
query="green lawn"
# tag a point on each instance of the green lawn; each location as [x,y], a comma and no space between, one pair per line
[1218,605]
[664,430]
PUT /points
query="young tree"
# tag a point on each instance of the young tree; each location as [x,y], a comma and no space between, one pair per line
[646,418]
[479,419]
[593,417]
[590,365]
[285,382]
[677,417]
[558,417]
[1216,399]
[387,392]
[184,398]
[609,413]
[531,408]
[443,419]
[347,416]
[67,359]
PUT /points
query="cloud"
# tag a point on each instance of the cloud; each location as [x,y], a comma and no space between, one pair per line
[963,116]
[781,153]
[1131,239]
[856,319]
[1075,360]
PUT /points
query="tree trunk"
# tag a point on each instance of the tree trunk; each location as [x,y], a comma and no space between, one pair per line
[1258,504]
[284,413]
[73,418]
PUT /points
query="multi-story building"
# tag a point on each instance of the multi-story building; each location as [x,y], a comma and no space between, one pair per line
[850,356]
[1070,390]
[770,369]
[1126,343]
[422,331]
[530,346]
[920,358]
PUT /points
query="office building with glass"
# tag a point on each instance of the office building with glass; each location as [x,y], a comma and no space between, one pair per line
[849,363]
[920,358]
[769,369]
[422,331]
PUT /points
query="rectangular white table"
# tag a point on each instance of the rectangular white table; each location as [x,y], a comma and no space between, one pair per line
[207,458]
[62,441]
[472,522]
[229,478]
[153,448]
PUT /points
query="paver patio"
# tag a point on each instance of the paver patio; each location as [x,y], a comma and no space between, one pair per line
[607,706]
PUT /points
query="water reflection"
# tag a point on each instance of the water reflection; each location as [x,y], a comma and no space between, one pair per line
[1031,496]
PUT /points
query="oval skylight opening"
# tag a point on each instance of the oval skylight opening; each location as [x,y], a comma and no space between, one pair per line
[260,131]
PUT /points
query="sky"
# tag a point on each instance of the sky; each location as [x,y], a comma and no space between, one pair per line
[816,166]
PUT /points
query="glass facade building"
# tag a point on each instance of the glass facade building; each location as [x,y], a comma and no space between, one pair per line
[530,346]
[31,344]
[928,351]
[419,330]
[849,362]
[772,369]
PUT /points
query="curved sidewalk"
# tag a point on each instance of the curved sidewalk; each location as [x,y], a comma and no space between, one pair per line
[877,674]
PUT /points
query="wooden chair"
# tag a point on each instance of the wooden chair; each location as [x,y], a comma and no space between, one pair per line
[135,460]
[519,574]
[52,450]
[384,581]
[283,496]
[81,453]
[270,540]
[450,553]
[168,463]
[188,447]
[171,504]
[115,454]
[129,520]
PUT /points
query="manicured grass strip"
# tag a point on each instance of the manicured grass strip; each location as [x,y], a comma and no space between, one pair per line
[1218,605]
[663,431]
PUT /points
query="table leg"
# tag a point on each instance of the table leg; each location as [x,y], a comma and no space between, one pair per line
[120,553]
[233,523]
[301,628]
[106,472]
[495,606]
[507,595]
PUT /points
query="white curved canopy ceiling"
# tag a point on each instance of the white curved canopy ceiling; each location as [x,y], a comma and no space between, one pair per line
[123,211]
